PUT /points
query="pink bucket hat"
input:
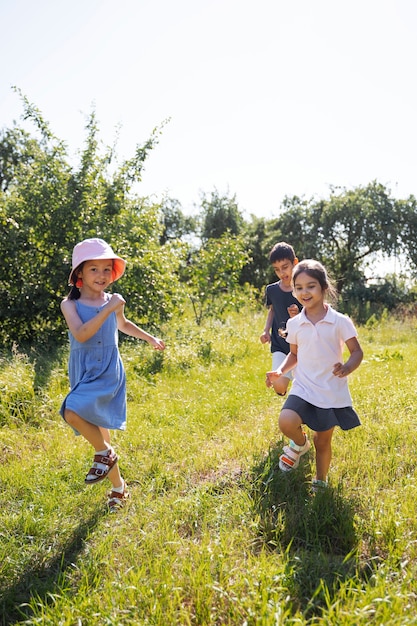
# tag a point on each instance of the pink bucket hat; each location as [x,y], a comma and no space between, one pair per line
[94,250]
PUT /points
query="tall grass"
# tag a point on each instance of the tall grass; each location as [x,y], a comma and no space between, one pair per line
[214,533]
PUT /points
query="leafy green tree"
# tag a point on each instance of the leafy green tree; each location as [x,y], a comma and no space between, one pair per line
[46,206]
[345,231]
[32,232]
[219,214]
[14,150]
[175,225]
[151,284]
[257,271]
[212,276]
[407,227]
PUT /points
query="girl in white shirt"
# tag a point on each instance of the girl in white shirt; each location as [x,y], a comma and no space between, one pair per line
[319,396]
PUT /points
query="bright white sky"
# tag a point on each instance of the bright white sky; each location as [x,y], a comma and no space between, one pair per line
[267,98]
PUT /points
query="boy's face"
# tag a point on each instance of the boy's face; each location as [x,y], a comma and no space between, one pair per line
[283,269]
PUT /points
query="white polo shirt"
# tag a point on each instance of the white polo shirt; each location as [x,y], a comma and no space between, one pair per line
[319,348]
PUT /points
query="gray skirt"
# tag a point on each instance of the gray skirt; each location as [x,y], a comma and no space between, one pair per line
[322,419]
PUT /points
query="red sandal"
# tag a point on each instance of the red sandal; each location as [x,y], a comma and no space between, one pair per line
[117,500]
[100,473]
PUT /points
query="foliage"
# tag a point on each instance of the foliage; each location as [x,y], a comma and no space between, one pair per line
[33,223]
[362,301]
[214,533]
[46,206]
[175,225]
[345,231]
[212,276]
[407,227]
[219,214]
[257,271]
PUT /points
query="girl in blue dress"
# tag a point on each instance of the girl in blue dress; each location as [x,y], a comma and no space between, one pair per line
[96,402]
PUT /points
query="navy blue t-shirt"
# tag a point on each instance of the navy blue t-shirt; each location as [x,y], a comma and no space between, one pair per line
[280,301]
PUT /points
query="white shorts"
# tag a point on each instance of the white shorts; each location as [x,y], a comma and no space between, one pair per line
[277,360]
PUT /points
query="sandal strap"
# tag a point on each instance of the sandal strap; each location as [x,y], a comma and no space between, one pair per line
[323,484]
[295,446]
[290,453]
[99,473]
[117,500]
[104,460]
[115,495]
[288,461]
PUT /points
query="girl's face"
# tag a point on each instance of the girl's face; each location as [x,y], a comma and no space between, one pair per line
[308,292]
[97,275]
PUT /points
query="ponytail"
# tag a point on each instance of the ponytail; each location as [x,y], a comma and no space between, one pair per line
[74,293]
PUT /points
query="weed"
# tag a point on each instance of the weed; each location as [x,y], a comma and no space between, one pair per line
[214,533]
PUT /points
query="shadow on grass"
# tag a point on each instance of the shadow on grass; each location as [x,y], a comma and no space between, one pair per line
[315,530]
[45,358]
[42,581]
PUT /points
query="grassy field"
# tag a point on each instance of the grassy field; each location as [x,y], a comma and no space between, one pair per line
[214,534]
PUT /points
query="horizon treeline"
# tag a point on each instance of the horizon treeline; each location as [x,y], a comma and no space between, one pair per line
[208,262]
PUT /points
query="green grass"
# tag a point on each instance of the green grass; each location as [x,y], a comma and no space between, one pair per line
[214,533]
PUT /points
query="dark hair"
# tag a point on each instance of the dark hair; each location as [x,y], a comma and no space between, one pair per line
[74,293]
[316,270]
[281,251]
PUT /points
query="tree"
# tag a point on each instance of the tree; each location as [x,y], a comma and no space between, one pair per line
[151,283]
[257,271]
[212,276]
[46,206]
[33,230]
[175,225]
[407,227]
[219,214]
[345,231]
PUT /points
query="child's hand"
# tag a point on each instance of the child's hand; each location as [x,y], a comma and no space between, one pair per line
[340,370]
[271,376]
[265,337]
[293,310]
[157,344]
[117,302]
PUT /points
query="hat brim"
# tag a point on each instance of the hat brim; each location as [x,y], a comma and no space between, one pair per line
[119,266]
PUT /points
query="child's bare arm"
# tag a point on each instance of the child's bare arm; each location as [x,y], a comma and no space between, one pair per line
[356,355]
[129,328]
[288,364]
[266,334]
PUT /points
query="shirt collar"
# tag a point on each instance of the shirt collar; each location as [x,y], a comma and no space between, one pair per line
[329,318]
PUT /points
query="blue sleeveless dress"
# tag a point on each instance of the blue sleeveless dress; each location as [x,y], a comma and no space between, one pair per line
[96,374]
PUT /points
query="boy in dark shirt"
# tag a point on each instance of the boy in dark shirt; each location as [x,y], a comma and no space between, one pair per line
[282,305]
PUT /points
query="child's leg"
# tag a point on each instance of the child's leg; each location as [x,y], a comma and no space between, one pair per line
[119,494]
[106,434]
[323,445]
[100,440]
[114,475]
[290,424]
[91,432]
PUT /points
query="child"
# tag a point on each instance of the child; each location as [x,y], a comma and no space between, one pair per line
[282,305]
[319,396]
[97,400]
